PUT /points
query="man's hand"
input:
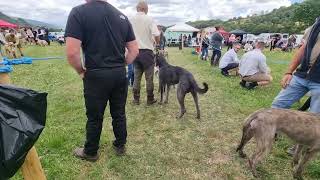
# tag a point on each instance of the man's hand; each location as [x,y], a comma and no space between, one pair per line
[82,74]
[286,80]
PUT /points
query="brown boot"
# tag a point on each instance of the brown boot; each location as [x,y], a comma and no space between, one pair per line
[79,153]
[136,97]
[150,99]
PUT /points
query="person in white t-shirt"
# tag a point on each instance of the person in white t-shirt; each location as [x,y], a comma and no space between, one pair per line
[146,32]
[230,59]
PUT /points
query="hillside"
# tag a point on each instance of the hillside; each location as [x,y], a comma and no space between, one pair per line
[25,22]
[18,21]
[39,23]
[282,20]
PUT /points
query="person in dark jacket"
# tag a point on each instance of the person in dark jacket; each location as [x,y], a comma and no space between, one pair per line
[216,42]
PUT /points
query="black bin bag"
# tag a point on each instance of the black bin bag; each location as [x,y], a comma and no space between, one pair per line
[22,119]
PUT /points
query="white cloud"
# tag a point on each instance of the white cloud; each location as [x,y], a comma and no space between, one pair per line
[164,11]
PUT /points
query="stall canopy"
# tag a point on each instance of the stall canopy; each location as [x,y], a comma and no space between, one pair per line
[238,32]
[4,23]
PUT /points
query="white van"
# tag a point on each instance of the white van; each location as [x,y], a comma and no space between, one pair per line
[249,38]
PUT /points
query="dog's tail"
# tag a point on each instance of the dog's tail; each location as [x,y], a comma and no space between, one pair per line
[247,134]
[198,89]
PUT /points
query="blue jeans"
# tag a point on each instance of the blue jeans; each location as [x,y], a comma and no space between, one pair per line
[297,88]
[130,74]
[204,53]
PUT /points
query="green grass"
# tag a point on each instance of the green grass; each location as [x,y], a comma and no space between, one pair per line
[159,145]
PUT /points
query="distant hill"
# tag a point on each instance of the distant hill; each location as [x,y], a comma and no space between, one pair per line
[18,21]
[39,23]
[26,22]
[279,20]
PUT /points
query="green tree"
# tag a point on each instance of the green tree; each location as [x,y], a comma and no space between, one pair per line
[307,12]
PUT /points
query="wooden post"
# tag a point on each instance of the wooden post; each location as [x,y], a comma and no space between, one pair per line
[31,169]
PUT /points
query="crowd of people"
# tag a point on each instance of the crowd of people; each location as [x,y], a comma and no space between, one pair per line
[13,39]
[132,41]
[252,67]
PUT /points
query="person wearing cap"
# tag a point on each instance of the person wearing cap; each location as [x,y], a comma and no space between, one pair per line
[103,33]
[13,42]
[253,68]
[147,34]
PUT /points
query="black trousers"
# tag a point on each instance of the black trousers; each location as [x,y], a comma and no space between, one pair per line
[230,66]
[101,86]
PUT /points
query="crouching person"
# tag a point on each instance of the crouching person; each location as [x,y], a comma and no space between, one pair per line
[230,60]
[253,68]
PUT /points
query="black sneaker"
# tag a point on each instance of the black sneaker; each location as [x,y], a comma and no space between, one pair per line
[243,84]
[252,85]
[79,153]
[225,73]
[120,151]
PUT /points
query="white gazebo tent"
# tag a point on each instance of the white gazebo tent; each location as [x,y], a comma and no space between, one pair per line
[172,33]
[182,28]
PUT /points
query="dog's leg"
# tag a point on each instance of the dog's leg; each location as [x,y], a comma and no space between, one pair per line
[195,98]
[297,154]
[181,95]
[307,156]
[247,134]
[264,145]
[161,89]
[167,96]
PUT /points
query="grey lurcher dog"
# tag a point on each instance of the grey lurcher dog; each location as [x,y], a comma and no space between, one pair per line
[301,127]
[170,75]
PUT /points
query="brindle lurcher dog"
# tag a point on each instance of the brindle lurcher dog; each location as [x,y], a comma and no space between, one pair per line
[301,127]
[171,75]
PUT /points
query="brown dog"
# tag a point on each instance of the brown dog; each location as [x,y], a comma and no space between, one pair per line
[302,127]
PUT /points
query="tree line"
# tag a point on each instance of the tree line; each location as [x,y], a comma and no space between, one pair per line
[293,19]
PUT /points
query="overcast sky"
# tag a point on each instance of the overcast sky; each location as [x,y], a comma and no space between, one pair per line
[165,12]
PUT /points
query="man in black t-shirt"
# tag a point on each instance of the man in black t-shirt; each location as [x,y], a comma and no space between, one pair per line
[103,32]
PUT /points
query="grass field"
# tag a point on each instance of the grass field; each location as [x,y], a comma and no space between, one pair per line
[159,145]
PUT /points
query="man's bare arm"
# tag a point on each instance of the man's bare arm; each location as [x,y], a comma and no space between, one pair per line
[73,47]
[133,51]
[293,66]
[296,59]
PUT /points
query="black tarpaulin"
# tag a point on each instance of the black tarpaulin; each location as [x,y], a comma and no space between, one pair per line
[22,119]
